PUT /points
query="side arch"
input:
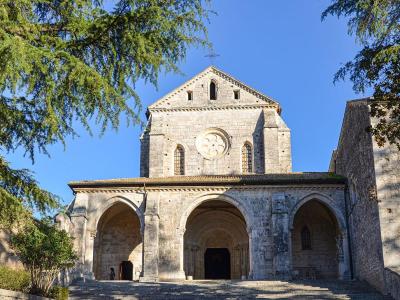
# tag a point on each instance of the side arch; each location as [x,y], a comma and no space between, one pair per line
[341,239]
[95,217]
[325,200]
[117,243]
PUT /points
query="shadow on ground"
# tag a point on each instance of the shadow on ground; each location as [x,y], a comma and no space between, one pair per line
[224,290]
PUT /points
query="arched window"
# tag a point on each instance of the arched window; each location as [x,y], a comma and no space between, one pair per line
[305,238]
[247,161]
[179,161]
[213,91]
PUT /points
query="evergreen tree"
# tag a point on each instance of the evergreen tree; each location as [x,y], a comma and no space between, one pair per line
[376,25]
[66,61]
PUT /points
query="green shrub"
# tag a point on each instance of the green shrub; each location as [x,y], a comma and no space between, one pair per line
[45,250]
[15,280]
[58,292]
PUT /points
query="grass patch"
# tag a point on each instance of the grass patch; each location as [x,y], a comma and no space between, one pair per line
[58,292]
[15,280]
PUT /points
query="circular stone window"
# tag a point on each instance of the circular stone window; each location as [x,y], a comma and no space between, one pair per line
[213,143]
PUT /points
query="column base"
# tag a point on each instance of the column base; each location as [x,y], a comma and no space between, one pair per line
[179,276]
[173,277]
[148,279]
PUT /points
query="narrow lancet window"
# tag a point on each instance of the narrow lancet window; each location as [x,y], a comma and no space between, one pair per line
[247,162]
[190,95]
[236,94]
[305,238]
[179,161]
[213,91]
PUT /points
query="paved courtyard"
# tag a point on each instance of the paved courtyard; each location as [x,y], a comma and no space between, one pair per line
[222,289]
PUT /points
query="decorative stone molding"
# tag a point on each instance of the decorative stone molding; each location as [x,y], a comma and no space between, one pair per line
[279,203]
[213,108]
[211,188]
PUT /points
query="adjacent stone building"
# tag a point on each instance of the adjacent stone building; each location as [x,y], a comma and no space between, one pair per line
[373,190]
[216,199]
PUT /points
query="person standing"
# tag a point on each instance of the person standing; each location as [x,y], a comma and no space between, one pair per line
[112,274]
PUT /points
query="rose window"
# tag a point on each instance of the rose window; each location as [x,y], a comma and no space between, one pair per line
[213,143]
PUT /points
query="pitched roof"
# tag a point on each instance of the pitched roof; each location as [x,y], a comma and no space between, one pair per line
[224,75]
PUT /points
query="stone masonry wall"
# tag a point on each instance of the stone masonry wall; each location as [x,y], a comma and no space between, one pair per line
[169,129]
[176,120]
[256,206]
[355,160]
[266,213]
[387,171]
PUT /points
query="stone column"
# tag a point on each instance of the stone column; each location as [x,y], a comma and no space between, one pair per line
[280,229]
[237,261]
[91,235]
[343,256]
[245,261]
[150,238]
[79,233]
[258,253]
[194,251]
[181,272]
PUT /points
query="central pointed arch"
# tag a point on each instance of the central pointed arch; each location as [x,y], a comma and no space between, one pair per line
[216,240]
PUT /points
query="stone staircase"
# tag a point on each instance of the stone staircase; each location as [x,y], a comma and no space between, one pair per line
[224,289]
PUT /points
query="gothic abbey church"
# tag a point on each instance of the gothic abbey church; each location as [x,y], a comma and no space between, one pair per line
[217,198]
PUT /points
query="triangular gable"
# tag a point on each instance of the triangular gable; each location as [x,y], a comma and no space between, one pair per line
[176,98]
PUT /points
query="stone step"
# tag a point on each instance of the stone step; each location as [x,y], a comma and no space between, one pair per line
[225,289]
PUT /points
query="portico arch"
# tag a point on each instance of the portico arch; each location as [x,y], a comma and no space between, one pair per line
[118,242]
[325,200]
[215,229]
[318,242]
[213,196]
[99,212]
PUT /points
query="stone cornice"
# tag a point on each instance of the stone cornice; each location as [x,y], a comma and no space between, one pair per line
[208,189]
[213,108]
[311,178]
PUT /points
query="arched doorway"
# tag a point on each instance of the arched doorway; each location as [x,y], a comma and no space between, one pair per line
[126,270]
[216,242]
[316,242]
[118,244]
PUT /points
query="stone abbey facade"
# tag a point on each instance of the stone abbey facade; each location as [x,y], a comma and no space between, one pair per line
[217,198]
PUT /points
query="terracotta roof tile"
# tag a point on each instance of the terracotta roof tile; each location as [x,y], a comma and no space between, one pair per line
[259,179]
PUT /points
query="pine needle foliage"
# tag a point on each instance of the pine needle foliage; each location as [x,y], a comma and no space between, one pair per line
[376,25]
[66,61]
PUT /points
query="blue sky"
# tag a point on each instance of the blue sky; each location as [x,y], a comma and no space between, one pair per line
[280,48]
